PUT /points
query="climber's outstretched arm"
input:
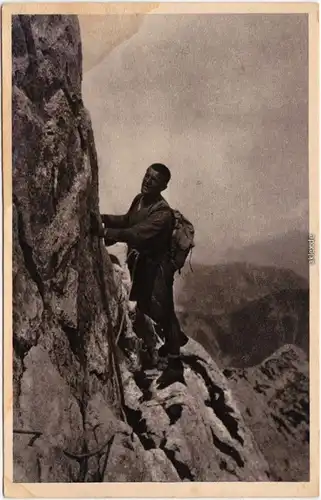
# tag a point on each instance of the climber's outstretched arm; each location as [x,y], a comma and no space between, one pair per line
[115,221]
[118,221]
[144,231]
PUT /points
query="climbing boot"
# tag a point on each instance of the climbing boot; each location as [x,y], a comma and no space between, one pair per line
[163,351]
[162,363]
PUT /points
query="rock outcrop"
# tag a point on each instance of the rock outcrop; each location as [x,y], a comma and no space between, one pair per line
[81,411]
[187,411]
[65,307]
[274,400]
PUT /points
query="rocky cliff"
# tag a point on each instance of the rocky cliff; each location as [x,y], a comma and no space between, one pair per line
[82,412]
[64,299]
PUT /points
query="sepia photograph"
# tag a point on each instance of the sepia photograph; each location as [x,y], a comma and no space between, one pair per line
[161,261]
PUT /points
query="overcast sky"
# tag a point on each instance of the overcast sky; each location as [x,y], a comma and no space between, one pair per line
[220,99]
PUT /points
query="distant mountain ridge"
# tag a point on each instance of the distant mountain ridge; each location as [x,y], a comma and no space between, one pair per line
[287,251]
[247,336]
[227,287]
[242,313]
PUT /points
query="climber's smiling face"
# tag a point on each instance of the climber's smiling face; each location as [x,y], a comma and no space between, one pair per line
[153,182]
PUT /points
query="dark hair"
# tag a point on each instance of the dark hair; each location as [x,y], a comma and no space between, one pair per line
[163,170]
[114,259]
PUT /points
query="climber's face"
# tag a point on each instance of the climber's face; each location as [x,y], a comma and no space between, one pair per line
[153,182]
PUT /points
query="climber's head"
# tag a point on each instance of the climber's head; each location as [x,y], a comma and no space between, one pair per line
[155,180]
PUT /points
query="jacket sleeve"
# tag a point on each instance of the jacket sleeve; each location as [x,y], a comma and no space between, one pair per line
[118,221]
[144,231]
[115,221]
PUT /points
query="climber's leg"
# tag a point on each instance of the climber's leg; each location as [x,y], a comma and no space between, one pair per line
[174,337]
[144,329]
[167,319]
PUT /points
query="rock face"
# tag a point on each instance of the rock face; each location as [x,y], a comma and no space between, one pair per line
[81,413]
[64,296]
[187,411]
[274,400]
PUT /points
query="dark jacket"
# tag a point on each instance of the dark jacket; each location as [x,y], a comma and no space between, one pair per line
[147,230]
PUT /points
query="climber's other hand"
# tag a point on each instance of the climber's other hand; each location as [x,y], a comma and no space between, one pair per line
[96,225]
[109,238]
[109,242]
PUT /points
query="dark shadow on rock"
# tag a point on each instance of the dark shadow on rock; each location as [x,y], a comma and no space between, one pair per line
[181,468]
[174,372]
[138,423]
[174,412]
[227,449]
[216,399]
[144,384]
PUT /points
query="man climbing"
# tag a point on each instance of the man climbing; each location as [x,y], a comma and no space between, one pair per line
[147,229]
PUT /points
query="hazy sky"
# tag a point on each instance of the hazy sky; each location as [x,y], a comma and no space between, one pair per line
[222,100]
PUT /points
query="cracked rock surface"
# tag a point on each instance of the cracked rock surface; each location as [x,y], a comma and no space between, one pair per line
[64,295]
[187,411]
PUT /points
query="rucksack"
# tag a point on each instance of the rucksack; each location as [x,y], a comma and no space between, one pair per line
[182,239]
